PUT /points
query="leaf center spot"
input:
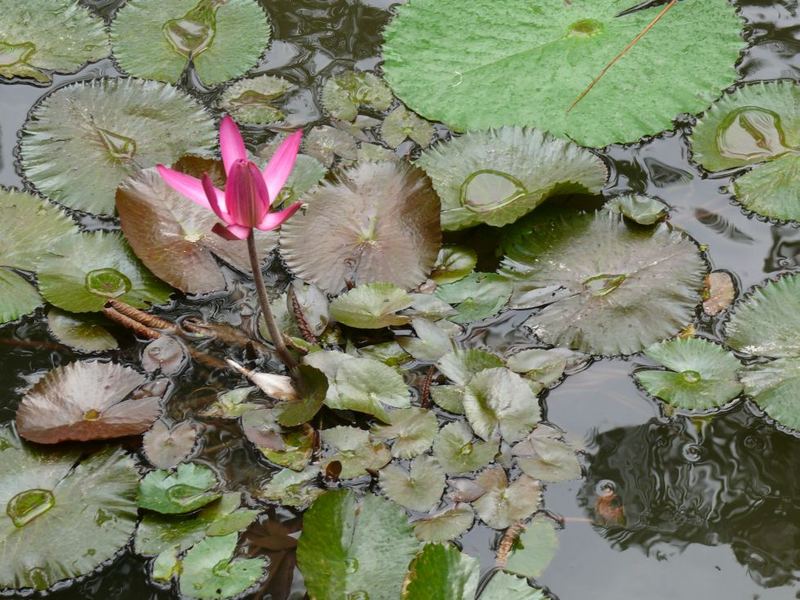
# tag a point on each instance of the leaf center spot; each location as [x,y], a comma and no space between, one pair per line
[193,33]
[26,506]
[691,376]
[120,147]
[602,285]
[108,283]
[91,415]
[585,28]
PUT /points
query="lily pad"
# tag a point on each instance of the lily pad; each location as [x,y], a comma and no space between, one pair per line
[701,375]
[477,296]
[442,571]
[420,488]
[449,398]
[372,306]
[720,293]
[344,94]
[86,400]
[545,367]
[606,287]
[766,325]
[210,572]
[412,429]
[460,366]
[546,456]
[312,389]
[81,332]
[499,402]
[291,448]
[380,223]
[756,125]
[189,488]
[355,548]
[458,451]
[42,36]
[497,176]
[446,525]
[431,344]
[402,124]
[503,503]
[368,386]
[454,263]
[639,209]
[17,296]
[292,488]
[174,237]
[83,272]
[62,516]
[255,101]
[166,446]
[354,450]
[231,404]
[82,140]
[470,60]
[166,355]
[534,549]
[325,143]
[503,586]
[157,39]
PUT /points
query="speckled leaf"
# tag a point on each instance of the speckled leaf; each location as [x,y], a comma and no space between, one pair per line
[449,398]
[442,571]
[402,124]
[291,488]
[325,143]
[256,101]
[482,66]
[772,189]
[353,448]
[189,488]
[210,572]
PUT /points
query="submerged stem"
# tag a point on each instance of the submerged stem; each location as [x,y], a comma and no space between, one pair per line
[274,332]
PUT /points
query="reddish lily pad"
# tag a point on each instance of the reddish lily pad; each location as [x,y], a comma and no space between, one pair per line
[380,222]
[86,400]
[166,446]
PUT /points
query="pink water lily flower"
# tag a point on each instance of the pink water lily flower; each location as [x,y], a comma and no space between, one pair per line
[249,192]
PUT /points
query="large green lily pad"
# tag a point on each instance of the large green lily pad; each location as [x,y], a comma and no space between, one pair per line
[380,223]
[442,571]
[756,125]
[484,66]
[606,286]
[83,139]
[17,296]
[83,272]
[497,176]
[42,36]
[353,548]
[62,515]
[157,39]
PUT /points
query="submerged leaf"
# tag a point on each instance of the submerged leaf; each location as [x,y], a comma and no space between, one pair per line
[721,292]
[83,272]
[63,515]
[82,140]
[371,306]
[446,525]
[356,549]
[503,503]
[253,101]
[166,446]
[379,224]
[639,209]
[343,94]
[481,67]
[442,571]
[156,39]
[86,400]
[210,572]
[497,176]
[291,488]
[402,124]
[188,489]
[81,332]
[606,287]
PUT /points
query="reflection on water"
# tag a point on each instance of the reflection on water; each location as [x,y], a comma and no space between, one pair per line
[728,480]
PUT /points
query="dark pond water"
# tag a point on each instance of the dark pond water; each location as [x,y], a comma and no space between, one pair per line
[712,507]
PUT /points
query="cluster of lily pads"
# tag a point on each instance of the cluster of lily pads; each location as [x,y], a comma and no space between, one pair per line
[400,429]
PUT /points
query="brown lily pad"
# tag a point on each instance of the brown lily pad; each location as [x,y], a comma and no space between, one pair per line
[720,293]
[378,223]
[172,235]
[87,400]
[166,446]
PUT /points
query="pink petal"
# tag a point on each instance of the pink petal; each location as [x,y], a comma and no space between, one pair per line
[211,195]
[189,187]
[231,143]
[246,194]
[281,164]
[231,232]
[275,219]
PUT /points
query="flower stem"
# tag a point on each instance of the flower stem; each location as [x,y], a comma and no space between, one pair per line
[274,332]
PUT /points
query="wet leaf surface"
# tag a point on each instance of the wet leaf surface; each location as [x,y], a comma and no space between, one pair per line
[442,571]
[210,571]
[190,487]
[420,488]
[81,332]
[166,446]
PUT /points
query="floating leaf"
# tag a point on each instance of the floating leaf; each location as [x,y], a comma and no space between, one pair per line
[418,489]
[291,488]
[40,36]
[431,307]
[156,39]
[412,429]
[446,525]
[291,448]
[368,386]
[402,124]
[461,365]
[476,296]
[606,287]
[371,306]
[449,398]
[166,446]
[701,375]
[757,124]
[325,143]
[431,344]
[458,451]
[546,456]
[211,573]
[253,101]
[307,173]
[534,549]
[639,209]
[498,401]
[721,293]
[503,503]
[82,140]
[356,549]
[545,367]
[484,67]
[158,533]
[356,452]
[497,176]
[503,586]
[62,516]
[173,236]
[166,355]
[454,263]
[379,224]
[81,332]
[442,571]
[343,94]
[188,489]
[766,325]
[312,389]
[17,297]
[374,153]
[85,401]
[231,404]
